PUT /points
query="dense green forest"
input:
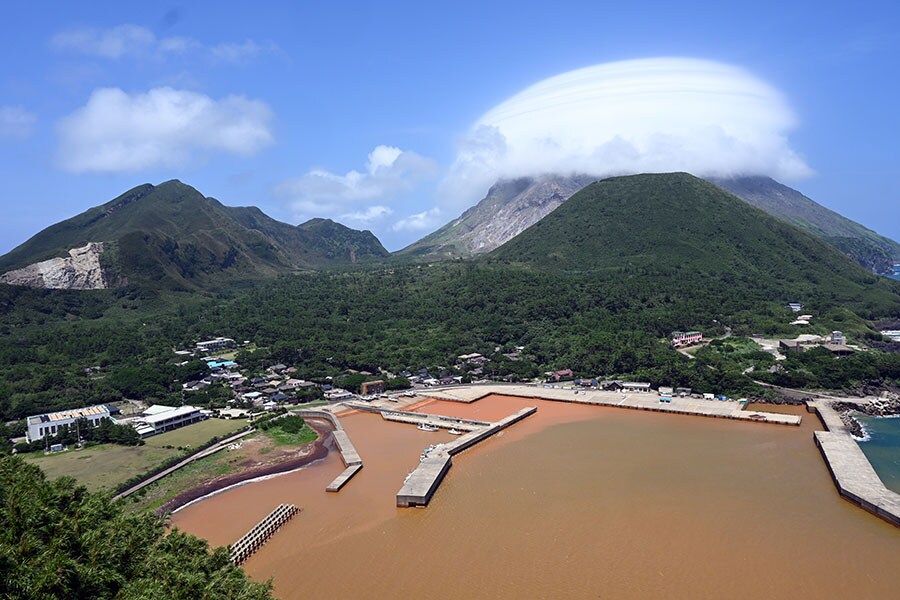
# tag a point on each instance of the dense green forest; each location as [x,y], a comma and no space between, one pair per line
[57,352]
[597,286]
[59,541]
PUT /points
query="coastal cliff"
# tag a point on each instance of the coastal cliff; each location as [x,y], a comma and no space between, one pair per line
[80,270]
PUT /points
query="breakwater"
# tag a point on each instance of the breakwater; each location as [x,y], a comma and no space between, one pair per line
[850,470]
[251,541]
[350,457]
[649,401]
[424,480]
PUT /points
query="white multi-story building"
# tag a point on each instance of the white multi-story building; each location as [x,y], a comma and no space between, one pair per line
[215,344]
[40,426]
[166,420]
[685,338]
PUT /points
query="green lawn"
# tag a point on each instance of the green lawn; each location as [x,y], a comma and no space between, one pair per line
[285,438]
[192,475]
[196,434]
[107,465]
[103,466]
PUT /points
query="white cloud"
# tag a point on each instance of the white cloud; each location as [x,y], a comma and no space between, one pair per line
[239,52]
[389,172]
[423,221]
[370,214]
[165,127]
[650,115]
[140,42]
[16,122]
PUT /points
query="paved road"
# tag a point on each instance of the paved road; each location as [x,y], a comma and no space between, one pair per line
[202,454]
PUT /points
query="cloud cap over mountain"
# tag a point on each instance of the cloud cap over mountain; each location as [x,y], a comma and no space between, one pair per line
[635,116]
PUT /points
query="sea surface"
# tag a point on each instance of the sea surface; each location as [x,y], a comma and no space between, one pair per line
[572,502]
[883,448]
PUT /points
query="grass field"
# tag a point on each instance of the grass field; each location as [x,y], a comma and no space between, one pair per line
[192,475]
[196,434]
[108,465]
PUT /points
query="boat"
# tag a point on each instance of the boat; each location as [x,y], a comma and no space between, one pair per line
[426,427]
[454,431]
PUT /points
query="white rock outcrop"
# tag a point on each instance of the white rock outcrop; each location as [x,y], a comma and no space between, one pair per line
[80,270]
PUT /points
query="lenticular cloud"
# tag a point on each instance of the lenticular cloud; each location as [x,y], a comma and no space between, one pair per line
[636,116]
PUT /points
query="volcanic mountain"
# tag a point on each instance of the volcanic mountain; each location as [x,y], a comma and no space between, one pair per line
[673,235]
[170,235]
[511,206]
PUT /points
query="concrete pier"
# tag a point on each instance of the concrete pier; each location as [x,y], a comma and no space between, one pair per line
[347,450]
[728,409]
[342,479]
[414,418]
[421,484]
[851,471]
[468,440]
[250,542]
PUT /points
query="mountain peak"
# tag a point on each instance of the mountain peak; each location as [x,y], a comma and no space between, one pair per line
[171,235]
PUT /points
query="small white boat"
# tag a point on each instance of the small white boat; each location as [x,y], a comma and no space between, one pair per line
[454,431]
[425,427]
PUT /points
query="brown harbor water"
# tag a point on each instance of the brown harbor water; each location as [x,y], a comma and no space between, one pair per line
[572,502]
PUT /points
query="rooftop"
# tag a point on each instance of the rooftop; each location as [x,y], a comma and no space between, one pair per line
[75,413]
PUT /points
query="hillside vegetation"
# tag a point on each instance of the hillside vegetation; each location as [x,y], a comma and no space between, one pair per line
[172,237]
[596,287]
[59,541]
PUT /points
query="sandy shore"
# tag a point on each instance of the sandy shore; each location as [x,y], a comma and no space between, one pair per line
[307,454]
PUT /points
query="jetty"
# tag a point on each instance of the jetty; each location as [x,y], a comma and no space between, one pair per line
[253,540]
[649,401]
[424,480]
[349,456]
[850,470]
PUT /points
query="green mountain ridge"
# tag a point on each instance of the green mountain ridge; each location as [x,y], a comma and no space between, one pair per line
[171,235]
[873,251]
[512,205]
[691,238]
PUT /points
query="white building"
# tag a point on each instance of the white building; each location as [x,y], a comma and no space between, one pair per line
[40,426]
[215,344]
[167,420]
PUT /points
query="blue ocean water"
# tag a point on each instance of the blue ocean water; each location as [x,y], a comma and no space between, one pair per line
[883,448]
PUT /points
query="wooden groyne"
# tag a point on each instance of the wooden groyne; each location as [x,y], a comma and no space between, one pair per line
[350,457]
[253,540]
[851,471]
[424,480]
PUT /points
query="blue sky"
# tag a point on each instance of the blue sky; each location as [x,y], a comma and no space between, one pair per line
[369,112]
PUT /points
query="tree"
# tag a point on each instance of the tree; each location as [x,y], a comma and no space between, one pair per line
[57,540]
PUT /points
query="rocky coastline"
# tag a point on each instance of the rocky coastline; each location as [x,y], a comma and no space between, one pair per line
[880,407]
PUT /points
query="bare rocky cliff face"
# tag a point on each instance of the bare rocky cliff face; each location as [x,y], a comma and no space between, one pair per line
[510,207]
[80,270]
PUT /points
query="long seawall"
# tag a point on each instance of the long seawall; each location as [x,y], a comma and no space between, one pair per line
[350,457]
[850,470]
[637,401]
[422,483]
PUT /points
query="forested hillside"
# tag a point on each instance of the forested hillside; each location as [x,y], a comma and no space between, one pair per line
[59,541]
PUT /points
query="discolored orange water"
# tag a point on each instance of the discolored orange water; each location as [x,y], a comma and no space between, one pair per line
[575,502]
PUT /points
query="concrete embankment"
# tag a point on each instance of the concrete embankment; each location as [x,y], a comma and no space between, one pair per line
[347,450]
[470,439]
[421,484]
[418,418]
[193,457]
[728,409]
[851,471]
